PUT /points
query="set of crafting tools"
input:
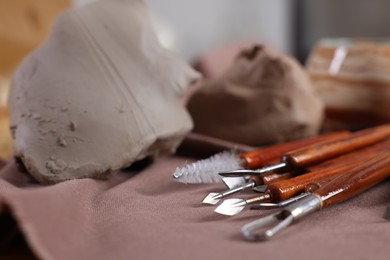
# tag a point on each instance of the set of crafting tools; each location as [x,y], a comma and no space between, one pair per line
[299,177]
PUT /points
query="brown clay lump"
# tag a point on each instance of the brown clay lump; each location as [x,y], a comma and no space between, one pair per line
[264,97]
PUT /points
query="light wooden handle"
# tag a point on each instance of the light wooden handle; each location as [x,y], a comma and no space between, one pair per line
[257,158]
[356,180]
[323,173]
[320,152]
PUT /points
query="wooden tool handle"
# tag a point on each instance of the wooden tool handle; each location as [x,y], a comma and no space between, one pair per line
[322,173]
[257,158]
[356,180]
[272,177]
[320,152]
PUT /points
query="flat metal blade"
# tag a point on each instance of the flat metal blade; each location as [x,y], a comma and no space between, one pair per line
[234,182]
[212,198]
[230,207]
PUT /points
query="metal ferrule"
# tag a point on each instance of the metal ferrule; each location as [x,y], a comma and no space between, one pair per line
[303,207]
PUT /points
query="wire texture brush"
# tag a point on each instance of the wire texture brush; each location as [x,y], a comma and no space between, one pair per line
[206,170]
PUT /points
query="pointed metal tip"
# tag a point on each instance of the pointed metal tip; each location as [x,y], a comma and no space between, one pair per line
[234,182]
[212,198]
[231,207]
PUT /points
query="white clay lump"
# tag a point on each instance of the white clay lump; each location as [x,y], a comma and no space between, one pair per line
[97,95]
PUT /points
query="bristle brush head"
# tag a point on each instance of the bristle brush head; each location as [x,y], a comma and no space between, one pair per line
[206,170]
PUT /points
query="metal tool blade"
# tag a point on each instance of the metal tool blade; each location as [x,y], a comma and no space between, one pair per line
[212,198]
[231,207]
[234,182]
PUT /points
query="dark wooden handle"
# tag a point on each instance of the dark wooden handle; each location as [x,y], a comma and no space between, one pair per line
[272,177]
[356,180]
[259,157]
[320,152]
[323,173]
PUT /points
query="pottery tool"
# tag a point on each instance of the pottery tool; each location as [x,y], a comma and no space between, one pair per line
[260,180]
[257,183]
[316,153]
[341,188]
[306,156]
[285,190]
[206,170]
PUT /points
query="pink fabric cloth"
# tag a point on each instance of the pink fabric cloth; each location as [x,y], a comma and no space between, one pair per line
[147,215]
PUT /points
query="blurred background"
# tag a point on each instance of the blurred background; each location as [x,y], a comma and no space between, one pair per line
[195,27]
[292,26]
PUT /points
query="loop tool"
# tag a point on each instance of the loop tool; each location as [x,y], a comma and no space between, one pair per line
[282,219]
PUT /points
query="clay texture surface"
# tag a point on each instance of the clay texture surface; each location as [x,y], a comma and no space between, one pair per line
[99,94]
